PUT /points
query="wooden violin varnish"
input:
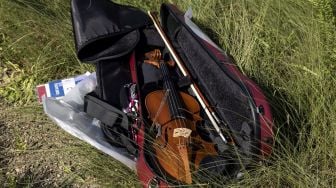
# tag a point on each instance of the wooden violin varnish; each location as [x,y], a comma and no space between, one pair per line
[176,114]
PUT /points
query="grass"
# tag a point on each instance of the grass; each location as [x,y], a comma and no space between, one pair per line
[36,153]
[286,46]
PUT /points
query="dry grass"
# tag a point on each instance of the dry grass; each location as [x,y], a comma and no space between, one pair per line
[287,47]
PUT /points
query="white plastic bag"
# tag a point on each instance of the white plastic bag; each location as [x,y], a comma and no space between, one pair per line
[68,114]
[75,97]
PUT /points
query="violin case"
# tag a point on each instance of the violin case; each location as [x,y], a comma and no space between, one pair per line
[114,38]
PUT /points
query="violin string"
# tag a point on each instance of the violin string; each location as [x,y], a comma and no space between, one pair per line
[179,111]
[176,101]
[176,106]
[174,94]
[171,100]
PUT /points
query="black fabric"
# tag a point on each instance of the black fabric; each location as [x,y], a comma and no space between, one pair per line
[114,123]
[227,93]
[112,134]
[150,38]
[104,29]
[112,75]
[229,101]
[184,82]
[105,112]
[218,167]
[129,144]
[150,73]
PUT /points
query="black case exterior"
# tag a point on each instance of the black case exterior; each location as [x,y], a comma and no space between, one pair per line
[236,99]
[105,30]
[106,33]
[225,91]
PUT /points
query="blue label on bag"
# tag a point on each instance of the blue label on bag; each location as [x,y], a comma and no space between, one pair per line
[59,88]
[56,88]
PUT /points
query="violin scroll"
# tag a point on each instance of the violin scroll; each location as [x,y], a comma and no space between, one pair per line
[154,57]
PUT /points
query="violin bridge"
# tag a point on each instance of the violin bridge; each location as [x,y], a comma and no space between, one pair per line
[185,132]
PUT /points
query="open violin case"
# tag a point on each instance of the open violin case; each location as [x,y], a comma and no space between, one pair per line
[115,38]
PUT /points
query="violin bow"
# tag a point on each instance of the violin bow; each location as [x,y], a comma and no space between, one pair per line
[204,103]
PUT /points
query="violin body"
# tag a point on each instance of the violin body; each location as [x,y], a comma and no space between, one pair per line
[173,148]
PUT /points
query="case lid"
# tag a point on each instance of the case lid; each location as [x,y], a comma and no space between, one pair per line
[217,76]
[105,30]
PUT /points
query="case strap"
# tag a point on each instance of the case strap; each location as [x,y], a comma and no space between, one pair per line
[104,112]
[112,120]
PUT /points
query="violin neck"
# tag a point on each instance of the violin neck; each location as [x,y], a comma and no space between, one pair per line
[173,98]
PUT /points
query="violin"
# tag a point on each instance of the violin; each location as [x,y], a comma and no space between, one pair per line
[178,146]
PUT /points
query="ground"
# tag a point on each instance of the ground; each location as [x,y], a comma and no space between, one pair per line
[37,153]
